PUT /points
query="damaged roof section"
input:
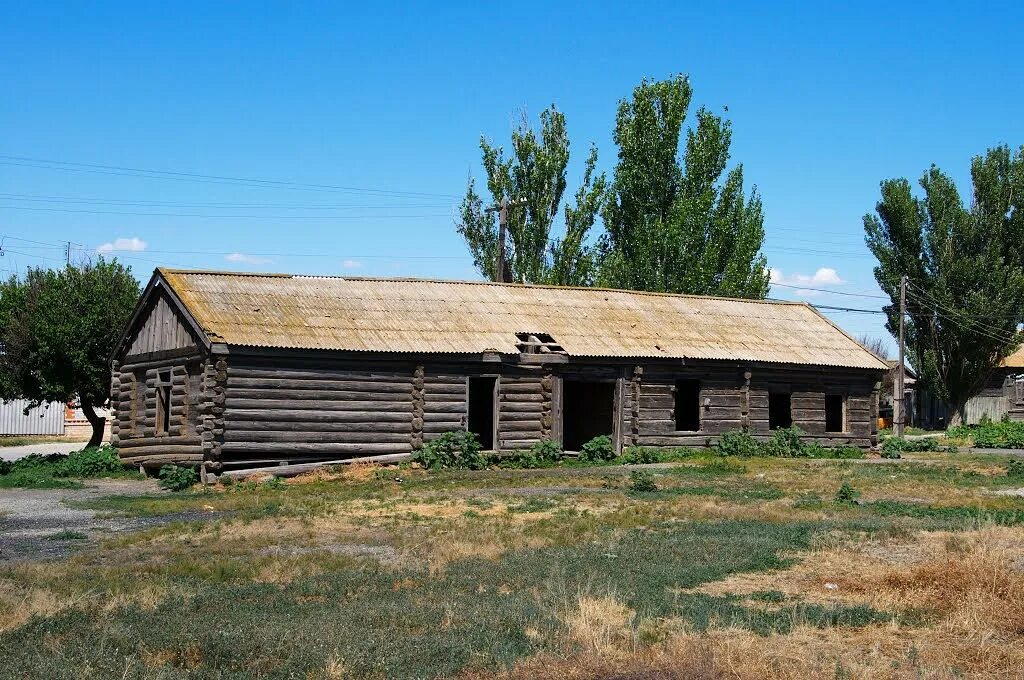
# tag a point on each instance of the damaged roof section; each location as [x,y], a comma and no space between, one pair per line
[457,317]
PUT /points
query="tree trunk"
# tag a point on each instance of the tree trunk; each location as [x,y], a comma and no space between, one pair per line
[956,414]
[98,423]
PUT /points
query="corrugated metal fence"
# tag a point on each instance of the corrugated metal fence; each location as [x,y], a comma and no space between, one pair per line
[47,419]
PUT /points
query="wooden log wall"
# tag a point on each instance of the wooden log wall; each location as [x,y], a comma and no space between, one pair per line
[303,410]
[134,406]
[524,409]
[445,399]
[808,387]
[733,398]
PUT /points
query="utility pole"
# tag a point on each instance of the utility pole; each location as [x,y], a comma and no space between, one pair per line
[67,252]
[899,400]
[502,210]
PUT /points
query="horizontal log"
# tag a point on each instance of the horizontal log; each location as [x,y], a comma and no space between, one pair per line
[158,460]
[155,449]
[301,468]
[520,386]
[369,435]
[312,415]
[510,444]
[442,416]
[322,405]
[313,426]
[444,388]
[190,440]
[515,416]
[316,395]
[700,440]
[352,385]
[515,425]
[521,397]
[521,407]
[234,448]
[318,373]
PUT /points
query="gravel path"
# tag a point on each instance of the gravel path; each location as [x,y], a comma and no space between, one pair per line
[42,524]
[45,448]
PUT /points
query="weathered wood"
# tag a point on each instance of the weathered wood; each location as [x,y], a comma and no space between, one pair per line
[313,426]
[318,373]
[162,441]
[234,448]
[318,395]
[311,415]
[332,385]
[323,405]
[368,435]
[293,470]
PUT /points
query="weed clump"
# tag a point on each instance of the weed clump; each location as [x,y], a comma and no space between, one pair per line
[56,470]
[988,434]
[452,450]
[847,495]
[597,450]
[642,481]
[177,477]
[785,442]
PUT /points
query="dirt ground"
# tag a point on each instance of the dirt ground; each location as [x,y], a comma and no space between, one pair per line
[48,523]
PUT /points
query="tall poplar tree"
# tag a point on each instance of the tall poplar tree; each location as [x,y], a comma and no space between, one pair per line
[533,178]
[673,224]
[965,267]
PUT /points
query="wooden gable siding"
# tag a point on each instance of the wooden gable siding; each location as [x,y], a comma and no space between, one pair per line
[303,410]
[159,329]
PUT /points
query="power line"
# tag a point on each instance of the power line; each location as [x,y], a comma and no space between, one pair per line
[248,217]
[833,292]
[117,202]
[71,166]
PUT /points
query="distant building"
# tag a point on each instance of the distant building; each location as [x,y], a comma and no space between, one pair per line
[230,370]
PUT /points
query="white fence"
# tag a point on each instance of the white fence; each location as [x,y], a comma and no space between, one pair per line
[47,419]
[978,407]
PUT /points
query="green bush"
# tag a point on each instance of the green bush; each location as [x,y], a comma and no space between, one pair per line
[520,459]
[1015,467]
[642,481]
[847,494]
[1004,434]
[641,455]
[785,443]
[737,443]
[91,463]
[452,450]
[894,448]
[177,478]
[597,449]
[546,451]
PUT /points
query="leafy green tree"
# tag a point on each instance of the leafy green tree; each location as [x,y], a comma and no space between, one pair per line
[965,268]
[534,180]
[57,329]
[673,225]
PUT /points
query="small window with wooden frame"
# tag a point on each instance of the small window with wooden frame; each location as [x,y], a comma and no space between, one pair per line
[687,405]
[163,402]
[835,413]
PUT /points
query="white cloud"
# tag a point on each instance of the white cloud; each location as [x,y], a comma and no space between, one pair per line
[133,244]
[351,264]
[825,276]
[247,259]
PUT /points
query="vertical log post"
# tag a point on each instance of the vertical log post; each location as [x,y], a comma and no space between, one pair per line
[634,390]
[417,408]
[547,420]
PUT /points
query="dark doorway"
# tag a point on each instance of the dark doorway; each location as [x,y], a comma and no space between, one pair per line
[481,410]
[588,411]
[835,410]
[687,406]
[780,412]
[163,402]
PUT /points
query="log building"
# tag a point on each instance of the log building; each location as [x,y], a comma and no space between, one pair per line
[232,371]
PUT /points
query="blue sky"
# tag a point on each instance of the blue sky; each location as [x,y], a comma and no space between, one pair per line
[389,101]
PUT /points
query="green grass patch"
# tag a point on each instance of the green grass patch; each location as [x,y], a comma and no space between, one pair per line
[56,470]
[67,535]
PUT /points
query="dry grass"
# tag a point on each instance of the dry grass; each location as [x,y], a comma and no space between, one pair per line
[970,584]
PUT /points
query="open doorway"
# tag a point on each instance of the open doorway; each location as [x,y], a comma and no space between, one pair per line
[480,419]
[588,411]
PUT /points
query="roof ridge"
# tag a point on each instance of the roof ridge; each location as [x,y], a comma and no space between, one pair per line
[418,279]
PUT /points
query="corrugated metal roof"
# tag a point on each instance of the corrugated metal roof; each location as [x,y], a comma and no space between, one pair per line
[1015,360]
[429,316]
